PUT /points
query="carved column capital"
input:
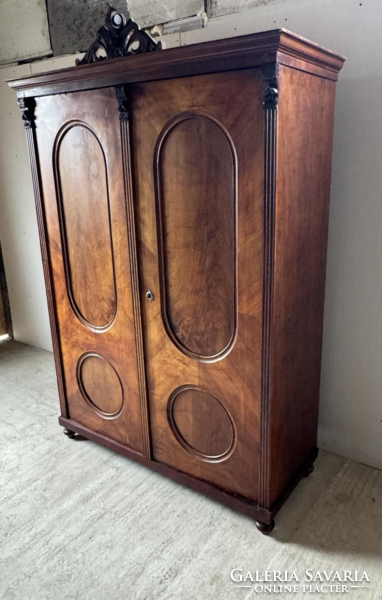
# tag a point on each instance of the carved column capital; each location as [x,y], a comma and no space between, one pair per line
[123,107]
[27,106]
[270,73]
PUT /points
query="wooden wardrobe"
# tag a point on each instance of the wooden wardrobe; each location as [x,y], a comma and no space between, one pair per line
[182,199]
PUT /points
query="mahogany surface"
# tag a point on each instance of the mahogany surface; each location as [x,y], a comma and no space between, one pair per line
[89,255]
[183,219]
[81,175]
[201,255]
[304,157]
[196,196]
[243,52]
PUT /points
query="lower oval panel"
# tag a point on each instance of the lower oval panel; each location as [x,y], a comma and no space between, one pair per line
[100,385]
[201,424]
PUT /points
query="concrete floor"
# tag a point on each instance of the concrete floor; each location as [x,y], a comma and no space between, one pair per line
[78,521]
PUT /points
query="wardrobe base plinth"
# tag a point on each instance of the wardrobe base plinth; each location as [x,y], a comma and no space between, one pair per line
[264,518]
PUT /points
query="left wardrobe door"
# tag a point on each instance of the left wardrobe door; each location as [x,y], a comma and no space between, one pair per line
[80,155]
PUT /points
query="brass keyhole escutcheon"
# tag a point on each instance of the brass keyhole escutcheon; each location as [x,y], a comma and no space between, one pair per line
[149,295]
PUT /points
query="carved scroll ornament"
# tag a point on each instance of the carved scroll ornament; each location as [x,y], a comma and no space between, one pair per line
[119,36]
[27,106]
[270,73]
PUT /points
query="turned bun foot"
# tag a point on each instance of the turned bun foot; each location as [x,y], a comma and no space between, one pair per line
[265,528]
[69,433]
[309,471]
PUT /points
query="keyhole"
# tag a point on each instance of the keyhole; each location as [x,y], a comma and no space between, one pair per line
[149,295]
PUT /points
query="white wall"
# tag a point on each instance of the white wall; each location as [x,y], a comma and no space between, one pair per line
[150,12]
[24,30]
[18,223]
[351,392]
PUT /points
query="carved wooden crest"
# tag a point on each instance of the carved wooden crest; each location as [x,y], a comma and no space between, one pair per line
[119,36]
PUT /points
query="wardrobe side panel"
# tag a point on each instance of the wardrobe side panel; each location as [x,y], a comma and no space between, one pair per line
[304,157]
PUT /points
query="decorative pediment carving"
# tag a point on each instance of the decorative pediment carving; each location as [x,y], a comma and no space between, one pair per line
[119,36]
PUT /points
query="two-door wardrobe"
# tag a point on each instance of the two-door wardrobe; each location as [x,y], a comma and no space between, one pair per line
[182,199]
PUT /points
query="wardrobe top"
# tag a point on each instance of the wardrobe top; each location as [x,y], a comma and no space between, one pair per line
[279,45]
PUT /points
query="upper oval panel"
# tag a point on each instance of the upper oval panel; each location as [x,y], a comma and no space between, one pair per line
[196,194]
[85,214]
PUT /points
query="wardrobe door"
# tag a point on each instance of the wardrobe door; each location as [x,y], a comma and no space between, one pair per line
[79,145]
[198,183]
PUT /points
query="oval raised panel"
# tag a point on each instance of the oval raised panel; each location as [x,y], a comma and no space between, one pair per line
[201,424]
[196,195]
[85,215]
[100,385]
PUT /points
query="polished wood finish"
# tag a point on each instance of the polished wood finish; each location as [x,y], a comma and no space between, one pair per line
[134,276]
[244,52]
[100,255]
[100,385]
[183,220]
[201,424]
[196,204]
[218,249]
[84,207]
[27,107]
[303,170]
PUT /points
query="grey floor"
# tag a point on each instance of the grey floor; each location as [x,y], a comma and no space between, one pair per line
[78,521]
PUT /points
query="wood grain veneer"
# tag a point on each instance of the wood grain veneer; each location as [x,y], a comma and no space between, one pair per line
[183,201]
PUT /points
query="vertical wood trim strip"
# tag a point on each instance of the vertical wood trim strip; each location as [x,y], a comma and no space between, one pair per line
[127,177]
[270,74]
[27,106]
